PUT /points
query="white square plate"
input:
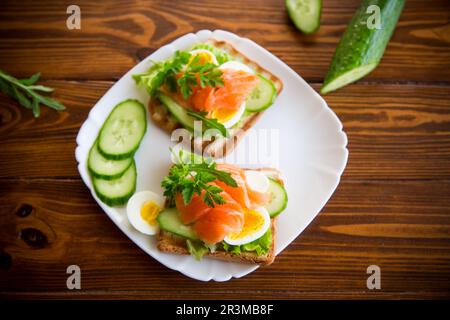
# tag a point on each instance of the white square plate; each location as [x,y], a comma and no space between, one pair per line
[312,152]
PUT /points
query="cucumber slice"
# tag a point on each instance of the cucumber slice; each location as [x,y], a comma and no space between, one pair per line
[279,198]
[169,220]
[305,14]
[116,192]
[123,130]
[178,112]
[262,96]
[103,168]
[362,45]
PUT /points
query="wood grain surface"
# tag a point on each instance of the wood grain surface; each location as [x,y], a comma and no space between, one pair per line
[392,208]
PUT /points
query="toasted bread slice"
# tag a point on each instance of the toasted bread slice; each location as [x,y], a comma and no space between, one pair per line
[171,243]
[168,242]
[221,146]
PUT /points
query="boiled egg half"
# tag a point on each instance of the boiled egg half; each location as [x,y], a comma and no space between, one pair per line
[204,56]
[143,209]
[256,224]
[257,181]
[230,117]
[236,66]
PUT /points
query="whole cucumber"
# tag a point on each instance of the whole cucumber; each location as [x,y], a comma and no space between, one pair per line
[363,43]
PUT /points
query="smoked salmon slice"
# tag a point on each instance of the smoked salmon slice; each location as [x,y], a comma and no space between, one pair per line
[258,198]
[243,195]
[195,209]
[218,223]
[237,85]
[239,193]
[213,224]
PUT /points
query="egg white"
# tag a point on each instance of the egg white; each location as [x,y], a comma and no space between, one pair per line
[235,65]
[256,234]
[209,53]
[257,181]
[134,206]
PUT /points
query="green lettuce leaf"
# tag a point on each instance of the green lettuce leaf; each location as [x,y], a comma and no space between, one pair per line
[163,72]
[197,249]
[261,245]
[152,79]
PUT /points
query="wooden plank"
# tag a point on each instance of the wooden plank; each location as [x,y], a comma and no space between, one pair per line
[395,131]
[115,36]
[403,227]
[224,295]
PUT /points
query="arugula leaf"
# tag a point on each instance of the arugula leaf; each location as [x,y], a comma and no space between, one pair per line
[24,91]
[31,80]
[188,178]
[41,88]
[205,75]
[21,98]
[35,108]
[180,72]
[209,123]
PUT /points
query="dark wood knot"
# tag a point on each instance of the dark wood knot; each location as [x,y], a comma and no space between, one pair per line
[34,238]
[5,261]
[24,210]
[143,53]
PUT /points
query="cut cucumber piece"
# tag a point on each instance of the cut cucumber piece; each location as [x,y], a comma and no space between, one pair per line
[362,45]
[103,168]
[123,130]
[169,220]
[262,97]
[177,111]
[116,192]
[305,14]
[279,198]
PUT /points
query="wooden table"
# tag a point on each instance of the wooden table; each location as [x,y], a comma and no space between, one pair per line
[391,209]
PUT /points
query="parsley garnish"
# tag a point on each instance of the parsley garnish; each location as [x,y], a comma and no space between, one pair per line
[171,74]
[163,73]
[188,178]
[205,75]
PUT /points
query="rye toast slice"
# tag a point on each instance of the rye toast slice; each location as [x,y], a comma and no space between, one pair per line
[171,243]
[221,146]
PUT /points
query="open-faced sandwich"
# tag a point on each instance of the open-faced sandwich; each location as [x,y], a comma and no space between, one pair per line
[213,83]
[213,209]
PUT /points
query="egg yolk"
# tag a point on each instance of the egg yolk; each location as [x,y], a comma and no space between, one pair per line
[149,212]
[203,58]
[253,221]
[223,114]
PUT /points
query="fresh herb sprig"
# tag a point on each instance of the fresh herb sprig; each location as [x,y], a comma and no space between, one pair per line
[209,123]
[180,72]
[187,178]
[163,73]
[25,91]
[205,75]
